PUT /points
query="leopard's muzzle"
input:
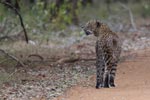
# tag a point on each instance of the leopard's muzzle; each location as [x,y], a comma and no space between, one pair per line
[88,32]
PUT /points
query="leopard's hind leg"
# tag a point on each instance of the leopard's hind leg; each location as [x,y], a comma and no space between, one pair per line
[106,80]
[99,74]
[106,75]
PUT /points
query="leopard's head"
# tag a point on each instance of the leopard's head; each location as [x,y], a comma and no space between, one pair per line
[92,27]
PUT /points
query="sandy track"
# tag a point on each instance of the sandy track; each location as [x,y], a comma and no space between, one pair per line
[133,83]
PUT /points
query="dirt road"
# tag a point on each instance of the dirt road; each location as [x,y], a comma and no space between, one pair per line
[133,83]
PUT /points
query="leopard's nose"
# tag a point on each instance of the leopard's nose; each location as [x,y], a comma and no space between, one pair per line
[82,27]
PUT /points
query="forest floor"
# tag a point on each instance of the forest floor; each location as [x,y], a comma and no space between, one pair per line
[75,79]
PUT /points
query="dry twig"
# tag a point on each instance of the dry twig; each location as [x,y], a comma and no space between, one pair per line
[13,57]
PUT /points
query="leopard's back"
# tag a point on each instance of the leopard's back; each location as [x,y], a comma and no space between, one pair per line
[111,44]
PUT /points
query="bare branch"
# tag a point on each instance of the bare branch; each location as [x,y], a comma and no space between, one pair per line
[20,17]
[130,14]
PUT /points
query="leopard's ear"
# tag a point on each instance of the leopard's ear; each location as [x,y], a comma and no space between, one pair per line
[98,24]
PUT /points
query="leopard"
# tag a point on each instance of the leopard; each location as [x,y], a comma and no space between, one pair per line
[108,50]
